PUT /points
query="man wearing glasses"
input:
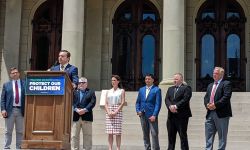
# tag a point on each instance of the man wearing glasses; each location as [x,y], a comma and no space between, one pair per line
[83,103]
[12,108]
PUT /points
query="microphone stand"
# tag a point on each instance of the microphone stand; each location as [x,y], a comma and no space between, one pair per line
[55,64]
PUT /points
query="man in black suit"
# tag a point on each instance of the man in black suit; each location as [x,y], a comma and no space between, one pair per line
[177,102]
[218,105]
[84,102]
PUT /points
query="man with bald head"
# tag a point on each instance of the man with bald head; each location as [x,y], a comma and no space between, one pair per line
[177,102]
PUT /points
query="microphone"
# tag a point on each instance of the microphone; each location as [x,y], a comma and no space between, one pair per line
[55,64]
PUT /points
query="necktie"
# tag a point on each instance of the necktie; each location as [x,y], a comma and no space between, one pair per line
[62,68]
[17,93]
[213,92]
[175,90]
[82,94]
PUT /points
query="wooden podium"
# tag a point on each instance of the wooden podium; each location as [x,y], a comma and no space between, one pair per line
[47,118]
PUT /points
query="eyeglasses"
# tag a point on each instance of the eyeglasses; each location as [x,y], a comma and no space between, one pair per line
[81,82]
[14,72]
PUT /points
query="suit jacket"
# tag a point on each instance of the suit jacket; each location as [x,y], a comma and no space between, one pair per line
[88,101]
[7,97]
[221,99]
[181,100]
[71,70]
[150,105]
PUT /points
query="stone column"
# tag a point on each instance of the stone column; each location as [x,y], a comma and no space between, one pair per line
[173,40]
[12,30]
[72,31]
[94,49]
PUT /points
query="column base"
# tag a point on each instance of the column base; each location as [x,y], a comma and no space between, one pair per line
[165,84]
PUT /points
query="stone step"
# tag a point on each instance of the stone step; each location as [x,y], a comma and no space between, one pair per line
[239,126]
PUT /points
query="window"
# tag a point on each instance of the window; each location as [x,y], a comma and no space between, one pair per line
[207,56]
[220,29]
[148,54]
[136,34]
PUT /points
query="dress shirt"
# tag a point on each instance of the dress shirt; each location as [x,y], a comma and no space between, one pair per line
[148,90]
[82,94]
[62,67]
[14,92]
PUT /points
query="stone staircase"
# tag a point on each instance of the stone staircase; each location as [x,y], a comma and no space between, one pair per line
[238,136]
[239,126]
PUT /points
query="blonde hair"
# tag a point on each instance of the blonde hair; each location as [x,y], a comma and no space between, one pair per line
[221,70]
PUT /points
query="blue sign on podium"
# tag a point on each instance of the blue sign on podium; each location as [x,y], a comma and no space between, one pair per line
[49,85]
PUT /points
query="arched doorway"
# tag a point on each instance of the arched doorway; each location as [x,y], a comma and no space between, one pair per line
[220,28]
[136,34]
[46,34]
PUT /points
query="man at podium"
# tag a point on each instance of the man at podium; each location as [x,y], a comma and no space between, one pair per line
[72,71]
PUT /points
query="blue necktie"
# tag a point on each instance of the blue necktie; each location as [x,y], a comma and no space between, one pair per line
[82,94]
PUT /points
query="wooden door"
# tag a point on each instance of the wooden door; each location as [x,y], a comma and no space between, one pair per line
[136,34]
[47,34]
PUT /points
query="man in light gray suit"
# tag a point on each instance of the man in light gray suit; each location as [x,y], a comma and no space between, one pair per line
[12,108]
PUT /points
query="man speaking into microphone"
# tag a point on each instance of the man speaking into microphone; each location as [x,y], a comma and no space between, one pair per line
[72,71]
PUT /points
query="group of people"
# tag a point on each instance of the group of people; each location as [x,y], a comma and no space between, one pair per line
[147,105]
[13,104]
[177,100]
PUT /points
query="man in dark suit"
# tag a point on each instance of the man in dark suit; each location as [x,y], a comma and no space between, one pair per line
[148,105]
[72,71]
[84,102]
[177,102]
[218,105]
[12,108]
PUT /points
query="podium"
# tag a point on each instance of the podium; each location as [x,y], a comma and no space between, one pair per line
[47,118]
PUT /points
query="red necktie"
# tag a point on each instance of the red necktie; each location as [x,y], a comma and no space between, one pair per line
[17,93]
[213,92]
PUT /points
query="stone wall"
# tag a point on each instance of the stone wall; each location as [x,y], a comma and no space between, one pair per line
[2,22]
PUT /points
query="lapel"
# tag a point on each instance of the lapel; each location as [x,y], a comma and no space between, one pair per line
[150,91]
[218,88]
[176,93]
[210,88]
[57,68]
[67,68]
[22,87]
[84,96]
[9,86]
[144,92]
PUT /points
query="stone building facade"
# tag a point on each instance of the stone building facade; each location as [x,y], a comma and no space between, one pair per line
[129,38]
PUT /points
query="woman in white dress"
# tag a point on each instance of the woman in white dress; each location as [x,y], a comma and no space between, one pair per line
[115,99]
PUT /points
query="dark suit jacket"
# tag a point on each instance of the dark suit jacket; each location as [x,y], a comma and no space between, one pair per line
[181,100]
[88,102]
[7,98]
[71,70]
[221,99]
[150,105]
